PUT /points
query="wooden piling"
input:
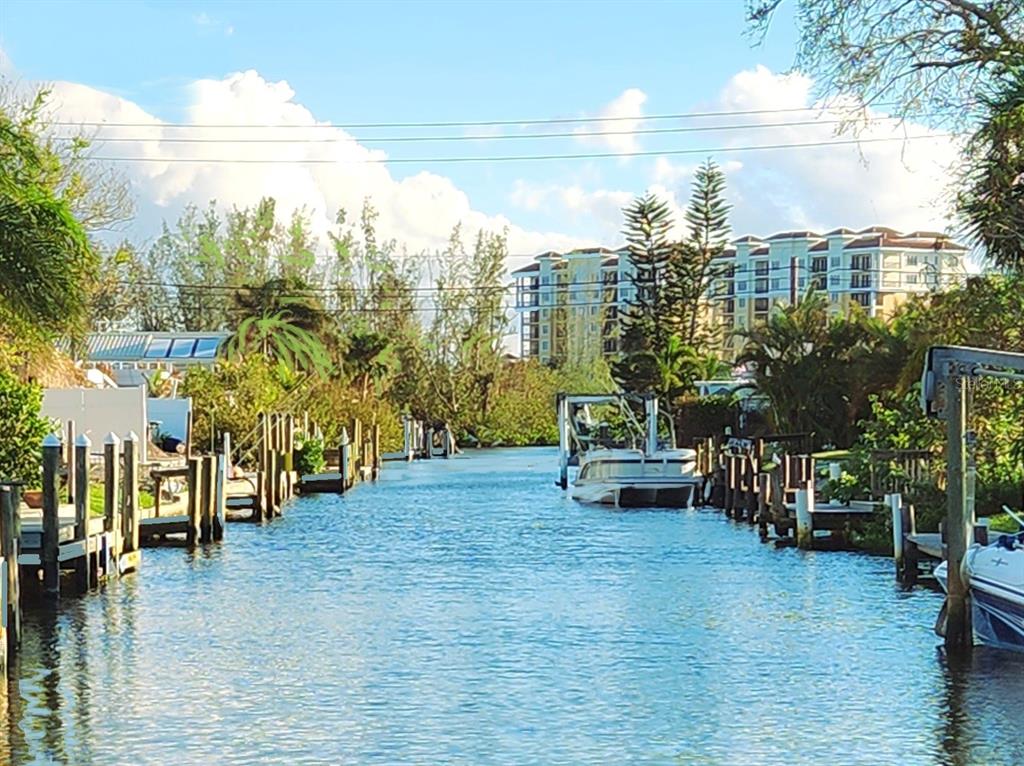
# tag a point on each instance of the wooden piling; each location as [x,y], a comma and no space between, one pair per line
[192,532]
[69,458]
[220,495]
[344,459]
[375,441]
[763,498]
[9,551]
[206,500]
[959,636]
[899,534]
[131,513]
[50,553]
[804,515]
[112,498]
[83,567]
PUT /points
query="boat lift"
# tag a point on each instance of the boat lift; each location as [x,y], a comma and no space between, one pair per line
[948,372]
[567,406]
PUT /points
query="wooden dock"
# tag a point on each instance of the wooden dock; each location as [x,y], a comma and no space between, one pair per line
[63,548]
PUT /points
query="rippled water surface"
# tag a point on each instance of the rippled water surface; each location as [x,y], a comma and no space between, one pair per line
[465,612]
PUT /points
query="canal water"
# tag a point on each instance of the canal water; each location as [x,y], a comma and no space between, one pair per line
[466,612]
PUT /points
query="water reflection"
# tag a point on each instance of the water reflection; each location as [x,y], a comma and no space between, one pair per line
[464,612]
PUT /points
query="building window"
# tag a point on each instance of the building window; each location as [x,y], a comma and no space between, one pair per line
[741,286]
[544,345]
[730,306]
[743,303]
[760,305]
[761,268]
[818,282]
[860,280]
[833,280]
[879,299]
[860,262]
[776,284]
[761,286]
[912,259]
[835,261]
[776,265]
[911,279]
[864,299]
[819,263]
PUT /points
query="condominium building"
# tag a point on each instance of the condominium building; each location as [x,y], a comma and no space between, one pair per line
[571,304]
[876,269]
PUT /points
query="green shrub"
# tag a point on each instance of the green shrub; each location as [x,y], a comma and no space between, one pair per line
[309,458]
[23,428]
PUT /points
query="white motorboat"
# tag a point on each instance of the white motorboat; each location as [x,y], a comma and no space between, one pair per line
[995,576]
[655,476]
[629,478]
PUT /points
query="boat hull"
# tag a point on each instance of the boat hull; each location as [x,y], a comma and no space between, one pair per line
[635,494]
[996,575]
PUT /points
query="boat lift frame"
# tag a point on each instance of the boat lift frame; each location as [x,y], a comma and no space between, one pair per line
[566,405]
[947,370]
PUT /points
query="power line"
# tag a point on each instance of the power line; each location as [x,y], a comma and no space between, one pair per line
[462,123]
[511,158]
[478,137]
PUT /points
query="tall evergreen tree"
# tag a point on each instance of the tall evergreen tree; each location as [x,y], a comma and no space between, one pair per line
[695,264]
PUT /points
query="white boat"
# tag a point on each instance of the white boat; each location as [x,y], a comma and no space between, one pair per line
[629,478]
[995,576]
[655,476]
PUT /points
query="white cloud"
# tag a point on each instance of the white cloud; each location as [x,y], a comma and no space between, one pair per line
[208,23]
[882,179]
[419,210]
[626,112]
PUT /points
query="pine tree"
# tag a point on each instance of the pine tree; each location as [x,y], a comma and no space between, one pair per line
[695,266]
[648,223]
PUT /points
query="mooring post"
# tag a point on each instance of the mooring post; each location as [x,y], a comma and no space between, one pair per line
[730,483]
[70,459]
[763,498]
[131,514]
[959,634]
[375,438]
[226,451]
[206,500]
[895,504]
[804,515]
[195,470]
[50,554]
[344,459]
[81,500]
[83,567]
[220,493]
[112,498]
[562,408]
[9,550]
[429,454]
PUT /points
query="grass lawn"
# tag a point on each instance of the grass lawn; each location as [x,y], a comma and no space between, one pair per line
[96,500]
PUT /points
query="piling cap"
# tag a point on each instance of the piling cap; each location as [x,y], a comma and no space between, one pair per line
[131,436]
[51,440]
[111,438]
[83,441]
[344,435]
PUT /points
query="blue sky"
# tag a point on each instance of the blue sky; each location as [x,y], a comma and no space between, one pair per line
[458,61]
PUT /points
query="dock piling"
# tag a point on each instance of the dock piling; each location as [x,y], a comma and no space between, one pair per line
[50,553]
[9,552]
[112,499]
[83,567]
[192,531]
[804,518]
